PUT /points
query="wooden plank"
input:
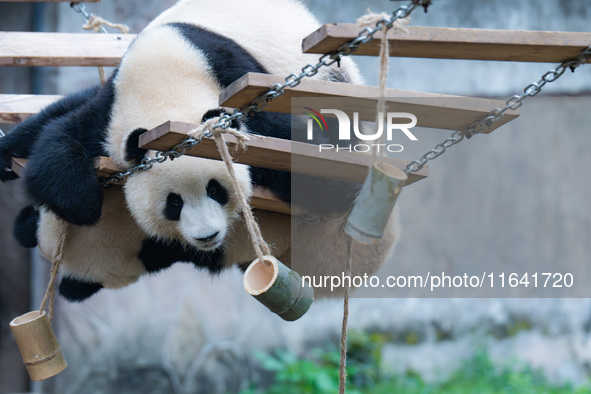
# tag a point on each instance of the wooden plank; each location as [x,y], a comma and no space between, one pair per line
[62,49]
[262,197]
[15,108]
[274,153]
[432,110]
[454,43]
[48,1]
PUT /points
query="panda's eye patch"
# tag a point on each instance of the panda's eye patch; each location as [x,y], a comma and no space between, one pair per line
[217,192]
[174,206]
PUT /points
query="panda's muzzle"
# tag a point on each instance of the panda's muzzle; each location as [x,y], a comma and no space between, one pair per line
[208,238]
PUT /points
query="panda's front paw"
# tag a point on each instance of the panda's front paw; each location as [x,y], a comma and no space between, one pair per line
[25,227]
[62,178]
[6,173]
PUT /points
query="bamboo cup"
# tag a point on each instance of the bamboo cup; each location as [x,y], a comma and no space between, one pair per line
[39,348]
[278,288]
[368,219]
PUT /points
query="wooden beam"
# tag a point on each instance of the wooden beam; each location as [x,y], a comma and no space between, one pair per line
[453,43]
[48,1]
[15,108]
[262,197]
[274,153]
[432,110]
[62,49]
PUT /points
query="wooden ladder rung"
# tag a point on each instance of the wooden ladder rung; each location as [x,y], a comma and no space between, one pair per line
[262,198]
[47,1]
[275,153]
[15,108]
[62,49]
[454,43]
[432,110]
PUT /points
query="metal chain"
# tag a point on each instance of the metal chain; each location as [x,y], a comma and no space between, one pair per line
[512,103]
[277,90]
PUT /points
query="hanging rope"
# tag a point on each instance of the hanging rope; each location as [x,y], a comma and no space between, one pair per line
[343,363]
[372,19]
[49,297]
[261,248]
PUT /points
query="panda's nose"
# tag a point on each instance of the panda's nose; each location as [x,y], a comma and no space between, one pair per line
[208,238]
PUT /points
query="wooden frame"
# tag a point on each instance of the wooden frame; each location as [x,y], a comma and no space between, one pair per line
[432,110]
[275,153]
[62,49]
[15,108]
[453,43]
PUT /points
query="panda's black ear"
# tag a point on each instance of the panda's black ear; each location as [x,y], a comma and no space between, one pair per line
[132,150]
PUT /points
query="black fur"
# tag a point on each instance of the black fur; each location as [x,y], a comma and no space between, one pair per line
[158,254]
[19,142]
[25,226]
[75,290]
[132,150]
[61,174]
[217,192]
[173,208]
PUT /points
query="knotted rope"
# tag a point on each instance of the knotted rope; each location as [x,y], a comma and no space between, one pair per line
[261,248]
[49,297]
[96,22]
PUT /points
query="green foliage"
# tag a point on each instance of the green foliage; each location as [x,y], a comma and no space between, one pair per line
[318,374]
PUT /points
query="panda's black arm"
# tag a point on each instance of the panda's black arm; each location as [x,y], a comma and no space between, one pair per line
[19,142]
[60,174]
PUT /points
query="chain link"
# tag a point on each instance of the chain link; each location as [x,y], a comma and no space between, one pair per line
[277,90]
[513,103]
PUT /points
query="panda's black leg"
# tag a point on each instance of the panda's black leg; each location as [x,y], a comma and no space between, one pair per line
[75,290]
[25,226]
[61,177]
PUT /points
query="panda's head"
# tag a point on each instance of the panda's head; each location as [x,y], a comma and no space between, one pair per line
[189,199]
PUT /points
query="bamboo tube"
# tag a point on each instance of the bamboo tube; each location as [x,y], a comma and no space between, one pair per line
[39,348]
[278,288]
[368,219]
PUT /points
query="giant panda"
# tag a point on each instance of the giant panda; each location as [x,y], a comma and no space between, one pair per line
[174,70]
